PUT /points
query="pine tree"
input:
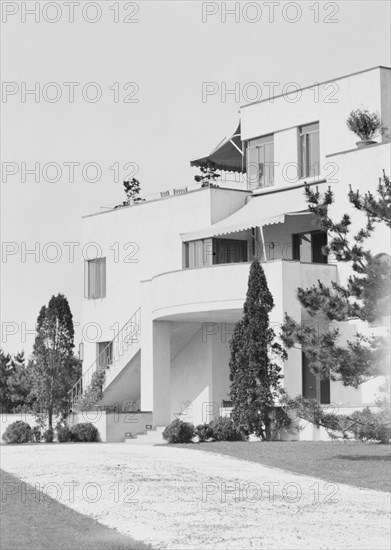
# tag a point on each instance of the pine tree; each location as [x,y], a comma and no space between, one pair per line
[15,383]
[209,174]
[6,371]
[254,372]
[366,295]
[19,383]
[53,365]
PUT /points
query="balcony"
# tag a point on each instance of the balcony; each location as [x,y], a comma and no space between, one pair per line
[217,293]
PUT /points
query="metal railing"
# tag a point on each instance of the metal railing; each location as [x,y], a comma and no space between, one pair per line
[115,350]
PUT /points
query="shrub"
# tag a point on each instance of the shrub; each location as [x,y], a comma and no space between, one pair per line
[91,398]
[63,433]
[179,432]
[363,425]
[18,432]
[364,124]
[48,435]
[369,426]
[224,429]
[84,432]
[37,433]
[204,432]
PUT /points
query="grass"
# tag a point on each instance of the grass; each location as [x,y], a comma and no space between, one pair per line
[354,463]
[41,522]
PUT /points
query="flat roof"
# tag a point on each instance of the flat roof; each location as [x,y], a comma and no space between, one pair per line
[158,199]
[315,84]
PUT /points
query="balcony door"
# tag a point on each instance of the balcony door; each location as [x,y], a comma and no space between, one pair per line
[307,247]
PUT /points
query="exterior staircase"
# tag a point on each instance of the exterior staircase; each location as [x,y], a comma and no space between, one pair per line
[150,437]
[125,346]
[117,354]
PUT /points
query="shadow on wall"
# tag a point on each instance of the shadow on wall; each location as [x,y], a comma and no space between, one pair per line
[365,457]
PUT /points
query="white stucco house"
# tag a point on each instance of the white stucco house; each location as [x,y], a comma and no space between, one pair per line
[167,277]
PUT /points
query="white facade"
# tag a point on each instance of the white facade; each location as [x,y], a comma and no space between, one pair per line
[185,304]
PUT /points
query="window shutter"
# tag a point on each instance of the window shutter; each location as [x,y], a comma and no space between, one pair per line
[91,278]
[252,167]
[86,280]
[103,277]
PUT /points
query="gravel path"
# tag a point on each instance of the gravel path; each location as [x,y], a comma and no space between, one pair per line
[181,499]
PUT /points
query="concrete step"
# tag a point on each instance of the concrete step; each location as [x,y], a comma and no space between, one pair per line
[138,441]
[150,437]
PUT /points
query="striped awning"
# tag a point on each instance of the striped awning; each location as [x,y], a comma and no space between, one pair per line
[227,156]
[258,212]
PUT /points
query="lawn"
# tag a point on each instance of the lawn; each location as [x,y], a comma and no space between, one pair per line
[354,463]
[41,522]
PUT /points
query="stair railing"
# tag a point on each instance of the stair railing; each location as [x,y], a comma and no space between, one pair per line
[128,335]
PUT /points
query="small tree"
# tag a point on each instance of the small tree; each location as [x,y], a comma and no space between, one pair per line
[15,383]
[132,190]
[6,372]
[94,393]
[254,373]
[209,174]
[19,383]
[53,363]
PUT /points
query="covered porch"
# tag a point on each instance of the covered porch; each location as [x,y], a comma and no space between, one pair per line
[187,323]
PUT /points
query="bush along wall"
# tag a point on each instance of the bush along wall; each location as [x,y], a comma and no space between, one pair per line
[179,432]
[220,429]
[83,432]
[18,432]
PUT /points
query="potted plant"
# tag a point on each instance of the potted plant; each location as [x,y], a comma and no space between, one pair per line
[365,125]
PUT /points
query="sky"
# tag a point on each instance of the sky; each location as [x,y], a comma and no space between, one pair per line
[138,88]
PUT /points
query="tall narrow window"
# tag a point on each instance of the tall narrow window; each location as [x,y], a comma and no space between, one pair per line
[260,162]
[95,278]
[314,387]
[105,354]
[309,150]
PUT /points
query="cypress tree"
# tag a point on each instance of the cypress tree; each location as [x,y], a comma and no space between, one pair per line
[254,372]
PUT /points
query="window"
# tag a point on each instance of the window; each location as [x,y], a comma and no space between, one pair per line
[95,278]
[307,247]
[229,251]
[309,150]
[260,162]
[313,386]
[105,354]
[198,253]
[212,251]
